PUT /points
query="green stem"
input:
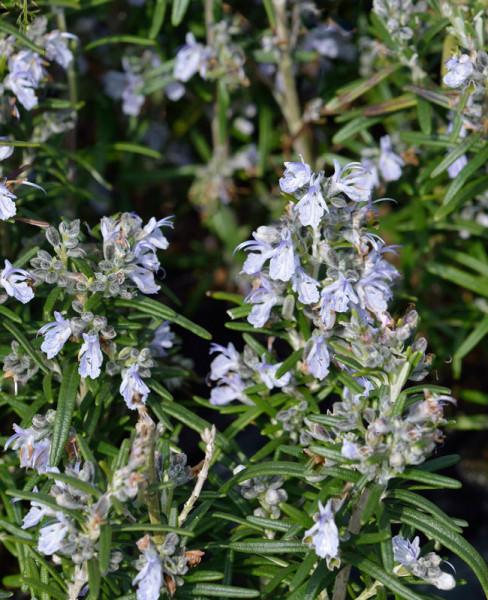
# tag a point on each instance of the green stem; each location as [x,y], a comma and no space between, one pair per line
[340,587]
[288,100]
[152,498]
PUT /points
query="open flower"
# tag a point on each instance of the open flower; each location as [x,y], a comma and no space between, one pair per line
[296,176]
[56,334]
[14,281]
[150,576]
[132,388]
[7,204]
[459,70]
[91,356]
[325,535]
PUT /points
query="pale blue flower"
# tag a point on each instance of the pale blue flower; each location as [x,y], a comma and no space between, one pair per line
[459,70]
[351,181]
[268,371]
[312,205]
[7,205]
[51,536]
[227,360]
[190,59]
[125,86]
[152,232]
[316,356]
[263,298]
[14,282]
[282,264]
[305,286]
[324,534]
[91,356]
[5,151]
[56,335]
[33,453]
[255,261]
[144,279]
[150,577]
[296,176]
[227,390]
[350,450]
[163,339]
[36,513]
[390,164]
[458,165]
[406,552]
[57,47]
[132,388]
[336,298]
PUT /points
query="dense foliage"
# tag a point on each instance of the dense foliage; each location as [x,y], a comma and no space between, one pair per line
[321,172]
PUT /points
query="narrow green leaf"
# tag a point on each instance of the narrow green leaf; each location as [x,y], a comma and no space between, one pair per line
[151,527]
[24,342]
[443,462]
[458,151]
[266,450]
[158,19]
[43,499]
[447,537]
[76,483]
[424,113]
[473,283]
[430,478]
[160,390]
[297,515]
[23,39]
[466,173]
[44,588]
[426,505]
[28,254]
[267,468]
[269,547]
[53,296]
[220,591]
[354,127]
[372,502]
[162,312]
[266,523]
[289,363]
[389,106]
[120,39]
[7,313]
[359,88]
[64,412]
[470,190]
[135,149]
[473,339]
[178,11]
[94,578]
[374,570]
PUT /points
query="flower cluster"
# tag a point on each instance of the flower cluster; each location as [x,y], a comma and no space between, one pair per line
[75,535]
[235,372]
[126,263]
[161,568]
[398,16]
[223,59]
[267,490]
[26,68]
[126,85]
[426,567]
[34,443]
